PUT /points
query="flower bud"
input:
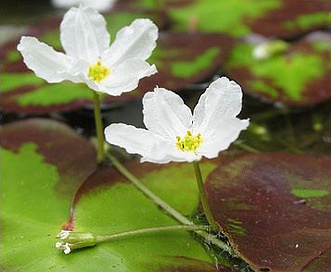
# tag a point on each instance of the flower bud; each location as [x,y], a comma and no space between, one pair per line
[268,49]
[70,240]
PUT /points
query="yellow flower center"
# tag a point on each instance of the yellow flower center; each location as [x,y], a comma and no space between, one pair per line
[97,72]
[189,142]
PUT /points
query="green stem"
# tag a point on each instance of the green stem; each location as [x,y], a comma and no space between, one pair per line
[167,208]
[246,147]
[158,201]
[99,127]
[112,237]
[203,196]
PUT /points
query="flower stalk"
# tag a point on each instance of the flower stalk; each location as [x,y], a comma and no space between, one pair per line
[206,235]
[71,240]
[127,234]
[203,196]
[99,127]
[158,201]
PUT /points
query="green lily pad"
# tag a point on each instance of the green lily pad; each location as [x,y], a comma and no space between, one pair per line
[220,16]
[297,77]
[41,167]
[185,59]
[275,207]
[45,162]
[128,209]
[294,18]
[181,60]
[280,18]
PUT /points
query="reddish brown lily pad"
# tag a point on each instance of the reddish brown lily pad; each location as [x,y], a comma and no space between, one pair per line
[186,58]
[272,18]
[293,18]
[58,144]
[275,209]
[299,76]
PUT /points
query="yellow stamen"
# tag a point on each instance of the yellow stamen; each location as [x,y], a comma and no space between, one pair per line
[189,142]
[97,72]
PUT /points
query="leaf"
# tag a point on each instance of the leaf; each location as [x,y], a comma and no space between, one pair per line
[43,167]
[128,209]
[183,59]
[293,18]
[272,18]
[220,16]
[297,77]
[275,208]
[46,162]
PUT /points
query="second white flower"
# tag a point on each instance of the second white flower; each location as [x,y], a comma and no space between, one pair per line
[175,134]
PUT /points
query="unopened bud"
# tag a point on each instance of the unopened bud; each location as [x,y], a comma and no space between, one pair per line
[71,240]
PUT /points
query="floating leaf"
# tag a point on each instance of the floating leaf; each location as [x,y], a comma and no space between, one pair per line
[275,208]
[45,162]
[298,77]
[280,18]
[220,16]
[128,209]
[293,18]
[41,168]
[184,59]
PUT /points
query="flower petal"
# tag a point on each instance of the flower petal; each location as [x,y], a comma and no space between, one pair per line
[125,77]
[152,147]
[220,138]
[84,34]
[100,5]
[47,63]
[221,100]
[135,41]
[166,114]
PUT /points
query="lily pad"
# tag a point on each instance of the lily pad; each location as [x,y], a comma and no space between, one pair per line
[183,59]
[41,167]
[128,209]
[275,207]
[280,18]
[297,77]
[294,18]
[45,164]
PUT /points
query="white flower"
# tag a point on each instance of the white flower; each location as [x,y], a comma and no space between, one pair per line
[174,134]
[268,49]
[100,5]
[65,247]
[84,37]
[260,51]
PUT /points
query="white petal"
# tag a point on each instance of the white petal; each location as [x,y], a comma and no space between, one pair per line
[84,34]
[47,63]
[135,41]
[100,5]
[166,114]
[221,100]
[220,138]
[152,147]
[125,77]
